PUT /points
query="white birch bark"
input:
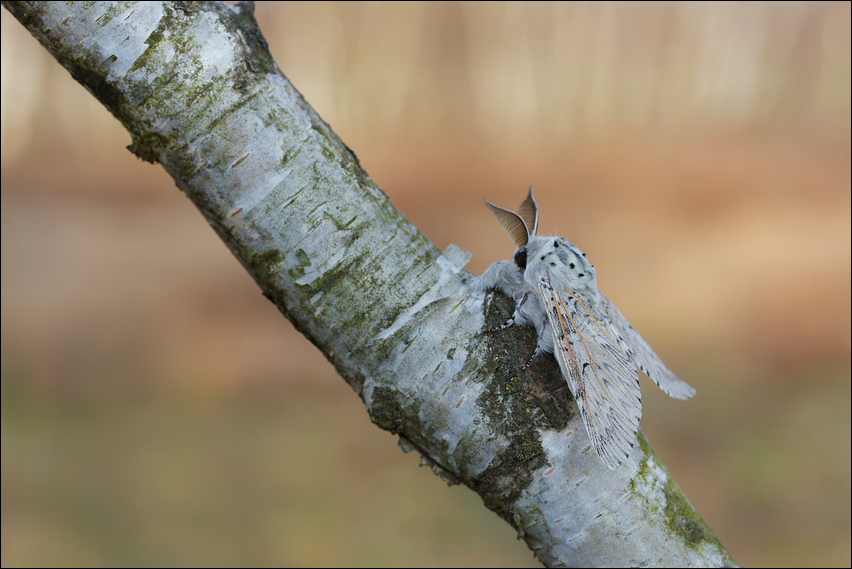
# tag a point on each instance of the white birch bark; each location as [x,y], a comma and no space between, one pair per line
[197,89]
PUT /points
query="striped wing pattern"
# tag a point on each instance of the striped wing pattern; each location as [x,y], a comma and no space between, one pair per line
[600,373]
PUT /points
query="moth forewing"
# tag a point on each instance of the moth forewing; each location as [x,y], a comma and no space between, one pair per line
[602,379]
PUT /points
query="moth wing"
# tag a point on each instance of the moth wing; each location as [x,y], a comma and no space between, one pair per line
[646,359]
[601,376]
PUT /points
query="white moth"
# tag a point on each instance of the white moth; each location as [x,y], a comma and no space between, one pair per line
[555,290]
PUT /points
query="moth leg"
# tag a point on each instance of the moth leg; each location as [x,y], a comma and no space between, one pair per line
[510,322]
[502,276]
[516,318]
[532,358]
[541,348]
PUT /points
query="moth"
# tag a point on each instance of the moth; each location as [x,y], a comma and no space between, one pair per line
[555,289]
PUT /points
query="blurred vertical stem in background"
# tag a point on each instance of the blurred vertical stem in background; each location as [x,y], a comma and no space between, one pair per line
[197,89]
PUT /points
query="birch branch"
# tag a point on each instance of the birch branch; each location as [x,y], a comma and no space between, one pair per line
[196,87]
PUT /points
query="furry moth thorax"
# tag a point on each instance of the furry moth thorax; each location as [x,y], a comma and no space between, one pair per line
[555,289]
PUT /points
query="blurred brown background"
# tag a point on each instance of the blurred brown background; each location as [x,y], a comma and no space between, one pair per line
[156,409]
